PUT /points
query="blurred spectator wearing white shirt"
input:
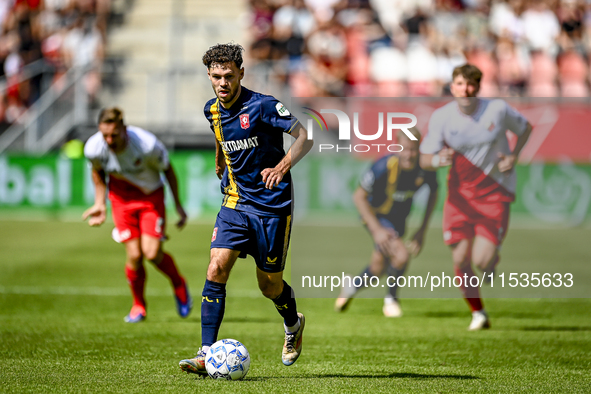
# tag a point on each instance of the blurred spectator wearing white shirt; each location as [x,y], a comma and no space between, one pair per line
[541,27]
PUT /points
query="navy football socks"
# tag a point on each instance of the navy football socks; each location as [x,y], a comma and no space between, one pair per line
[394,272]
[213,303]
[286,306]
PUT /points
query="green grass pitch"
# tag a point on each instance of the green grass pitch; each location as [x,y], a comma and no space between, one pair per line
[63,296]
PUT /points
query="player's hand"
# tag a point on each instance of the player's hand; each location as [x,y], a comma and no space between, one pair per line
[271,177]
[384,238]
[182,217]
[219,171]
[506,162]
[446,157]
[97,214]
[416,244]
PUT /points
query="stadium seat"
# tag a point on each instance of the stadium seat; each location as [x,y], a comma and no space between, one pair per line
[542,77]
[572,71]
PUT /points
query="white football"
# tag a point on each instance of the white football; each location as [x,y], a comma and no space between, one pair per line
[227,359]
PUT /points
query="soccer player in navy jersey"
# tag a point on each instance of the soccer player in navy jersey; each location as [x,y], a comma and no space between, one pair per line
[384,199]
[255,217]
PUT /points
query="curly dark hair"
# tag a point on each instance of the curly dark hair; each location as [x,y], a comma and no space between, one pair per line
[468,71]
[223,53]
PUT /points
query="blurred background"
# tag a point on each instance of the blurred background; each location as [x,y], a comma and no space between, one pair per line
[62,60]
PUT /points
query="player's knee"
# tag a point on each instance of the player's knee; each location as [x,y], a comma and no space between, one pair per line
[482,261]
[134,258]
[270,290]
[376,267]
[461,257]
[216,272]
[152,255]
[461,260]
[401,259]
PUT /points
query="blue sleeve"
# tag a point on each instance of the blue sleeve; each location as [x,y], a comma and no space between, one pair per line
[207,113]
[375,176]
[274,113]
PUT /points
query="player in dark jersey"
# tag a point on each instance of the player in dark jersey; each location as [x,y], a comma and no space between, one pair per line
[384,199]
[255,217]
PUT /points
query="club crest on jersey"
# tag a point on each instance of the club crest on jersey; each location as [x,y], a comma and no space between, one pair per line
[244,121]
[492,126]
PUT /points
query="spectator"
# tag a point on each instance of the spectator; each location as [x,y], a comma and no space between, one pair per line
[330,47]
[505,19]
[512,68]
[83,47]
[327,47]
[541,27]
[36,31]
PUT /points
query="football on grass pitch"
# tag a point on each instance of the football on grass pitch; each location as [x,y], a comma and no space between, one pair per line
[227,359]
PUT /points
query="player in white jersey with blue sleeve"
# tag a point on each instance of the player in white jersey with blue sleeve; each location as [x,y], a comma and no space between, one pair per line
[469,134]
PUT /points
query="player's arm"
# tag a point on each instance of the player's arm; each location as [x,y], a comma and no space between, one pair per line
[381,235]
[434,151]
[431,162]
[301,146]
[507,162]
[220,162]
[174,189]
[98,212]
[416,244]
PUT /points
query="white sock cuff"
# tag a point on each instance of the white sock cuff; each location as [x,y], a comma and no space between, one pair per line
[292,329]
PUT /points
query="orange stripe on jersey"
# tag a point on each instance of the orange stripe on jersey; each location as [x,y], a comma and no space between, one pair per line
[231,191]
[391,186]
[292,126]
[286,240]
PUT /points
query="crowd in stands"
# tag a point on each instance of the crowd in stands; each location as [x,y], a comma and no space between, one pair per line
[38,37]
[397,48]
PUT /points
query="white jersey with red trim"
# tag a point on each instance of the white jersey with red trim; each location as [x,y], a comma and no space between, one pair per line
[140,163]
[478,140]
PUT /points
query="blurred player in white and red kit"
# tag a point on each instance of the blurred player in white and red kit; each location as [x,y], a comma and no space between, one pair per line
[134,158]
[470,135]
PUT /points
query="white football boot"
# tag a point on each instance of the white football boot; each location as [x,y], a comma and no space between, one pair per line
[479,321]
[345,297]
[391,308]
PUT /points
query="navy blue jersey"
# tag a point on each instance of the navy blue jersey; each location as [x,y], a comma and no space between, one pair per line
[391,190]
[251,136]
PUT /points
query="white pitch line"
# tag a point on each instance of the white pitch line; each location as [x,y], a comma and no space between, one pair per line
[103,291]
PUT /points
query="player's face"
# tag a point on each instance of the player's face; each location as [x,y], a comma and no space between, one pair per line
[464,89]
[115,135]
[225,79]
[409,154]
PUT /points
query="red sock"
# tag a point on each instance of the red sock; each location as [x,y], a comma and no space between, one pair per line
[168,268]
[471,294]
[137,281]
[181,292]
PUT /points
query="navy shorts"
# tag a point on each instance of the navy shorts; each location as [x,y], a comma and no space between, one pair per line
[399,226]
[264,238]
